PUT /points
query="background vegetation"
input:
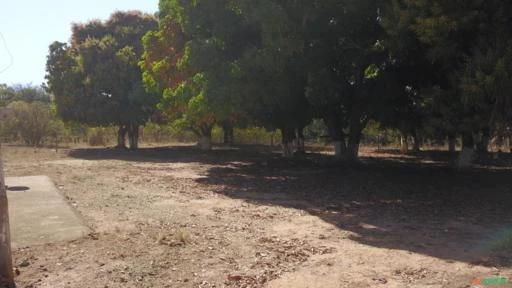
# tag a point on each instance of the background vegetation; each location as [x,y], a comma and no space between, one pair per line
[347,73]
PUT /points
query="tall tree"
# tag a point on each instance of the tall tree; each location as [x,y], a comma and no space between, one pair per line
[347,58]
[274,73]
[198,40]
[25,93]
[466,42]
[96,78]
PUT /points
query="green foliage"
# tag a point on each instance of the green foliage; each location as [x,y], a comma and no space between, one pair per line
[96,78]
[192,59]
[363,68]
[57,130]
[316,131]
[25,93]
[467,45]
[166,133]
[257,136]
[30,122]
[97,136]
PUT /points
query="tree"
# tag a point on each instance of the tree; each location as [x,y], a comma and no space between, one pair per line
[346,60]
[198,40]
[273,73]
[408,104]
[6,94]
[96,78]
[466,42]
[486,73]
[25,93]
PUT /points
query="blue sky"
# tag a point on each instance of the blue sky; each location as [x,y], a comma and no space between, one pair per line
[27,27]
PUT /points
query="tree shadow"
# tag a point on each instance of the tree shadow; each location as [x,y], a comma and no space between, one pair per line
[423,207]
[171,154]
[416,203]
[430,156]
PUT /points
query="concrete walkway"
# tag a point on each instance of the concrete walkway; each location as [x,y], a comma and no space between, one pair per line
[40,215]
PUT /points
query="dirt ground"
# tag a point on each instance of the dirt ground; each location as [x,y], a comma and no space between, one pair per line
[177,217]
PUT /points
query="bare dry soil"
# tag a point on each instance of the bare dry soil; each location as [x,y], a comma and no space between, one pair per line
[178,217]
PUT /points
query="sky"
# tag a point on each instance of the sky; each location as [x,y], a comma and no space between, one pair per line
[28,27]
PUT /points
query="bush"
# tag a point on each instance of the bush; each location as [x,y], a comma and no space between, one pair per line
[257,136]
[316,131]
[97,137]
[56,131]
[29,122]
[154,133]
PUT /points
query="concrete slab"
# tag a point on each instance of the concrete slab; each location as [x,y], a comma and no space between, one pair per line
[38,214]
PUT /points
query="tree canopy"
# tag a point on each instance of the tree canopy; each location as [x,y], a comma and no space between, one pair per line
[95,78]
[429,69]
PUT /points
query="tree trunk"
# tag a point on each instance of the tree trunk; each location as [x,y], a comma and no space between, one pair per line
[452,143]
[483,144]
[506,145]
[229,133]
[335,130]
[340,148]
[417,142]
[352,152]
[299,143]
[133,136]
[287,143]
[6,268]
[205,143]
[465,158]
[205,140]
[404,143]
[121,137]
[354,139]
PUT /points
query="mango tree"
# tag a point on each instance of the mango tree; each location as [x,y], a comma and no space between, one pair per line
[96,79]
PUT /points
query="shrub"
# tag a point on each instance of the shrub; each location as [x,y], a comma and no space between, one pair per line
[30,122]
[97,136]
[257,136]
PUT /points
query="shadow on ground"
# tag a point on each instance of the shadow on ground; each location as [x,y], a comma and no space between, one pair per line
[421,207]
[415,203]
[172,154]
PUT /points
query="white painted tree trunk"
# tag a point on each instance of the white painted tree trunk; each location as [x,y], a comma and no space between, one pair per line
[205,143]
[6,268]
